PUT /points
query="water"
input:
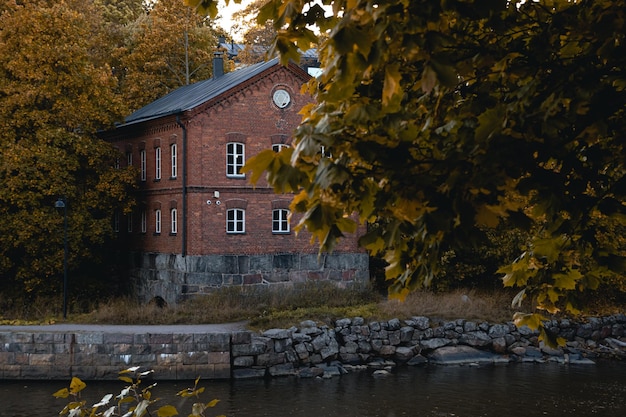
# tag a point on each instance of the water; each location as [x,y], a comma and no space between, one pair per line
[526,390]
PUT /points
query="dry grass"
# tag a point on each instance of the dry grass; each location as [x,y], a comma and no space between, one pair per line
[492,306]
[283,307]
[321,302]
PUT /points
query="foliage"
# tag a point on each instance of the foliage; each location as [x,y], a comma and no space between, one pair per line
[166,47]
[257,38]
[55,94]
[440,118]
[133,400]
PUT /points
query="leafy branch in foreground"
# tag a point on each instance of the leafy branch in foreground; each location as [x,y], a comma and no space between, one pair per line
[438,119]
[132,401]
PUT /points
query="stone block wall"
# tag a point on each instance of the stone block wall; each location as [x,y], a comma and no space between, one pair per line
[306,351]
[175,277]
[102,355]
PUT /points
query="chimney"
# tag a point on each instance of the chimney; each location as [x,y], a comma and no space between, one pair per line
[218,65]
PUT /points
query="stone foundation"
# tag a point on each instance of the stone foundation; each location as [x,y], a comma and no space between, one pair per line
[176,278]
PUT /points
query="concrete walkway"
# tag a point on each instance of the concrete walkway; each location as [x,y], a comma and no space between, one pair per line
[133,329]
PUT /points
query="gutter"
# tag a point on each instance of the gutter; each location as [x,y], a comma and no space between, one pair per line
[184,181]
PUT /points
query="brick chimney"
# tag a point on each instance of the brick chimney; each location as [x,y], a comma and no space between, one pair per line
[218,65]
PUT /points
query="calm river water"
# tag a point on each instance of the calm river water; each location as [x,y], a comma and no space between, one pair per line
[518,390]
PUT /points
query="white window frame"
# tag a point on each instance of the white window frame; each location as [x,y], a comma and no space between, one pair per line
[129,223]
[129,159]
[173,221]
[235,221]
[277,147]
[144,221]
[157,221]
[173,155]
[116,221]
[157,163]
[142,157]
[235,159]
[280,225]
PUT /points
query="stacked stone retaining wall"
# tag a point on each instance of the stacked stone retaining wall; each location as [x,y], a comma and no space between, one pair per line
[307,351]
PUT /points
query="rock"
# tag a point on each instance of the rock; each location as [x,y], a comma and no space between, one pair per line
[421,323]
[381,373]
[403,354]
[284,369]
[498,330]
[394,324]
[247,373]
[478,338]
[435,343]
[277,334]
[417,360]
[460,355]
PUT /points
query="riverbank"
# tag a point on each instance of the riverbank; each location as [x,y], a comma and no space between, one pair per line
[308,350]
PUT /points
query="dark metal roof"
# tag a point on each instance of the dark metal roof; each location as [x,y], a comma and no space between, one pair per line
[191,96]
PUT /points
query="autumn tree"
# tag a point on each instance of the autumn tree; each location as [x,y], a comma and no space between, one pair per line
[257,38]
[55,94]
[166,47]
[440,117]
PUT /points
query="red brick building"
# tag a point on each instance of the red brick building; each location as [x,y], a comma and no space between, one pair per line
[200,224]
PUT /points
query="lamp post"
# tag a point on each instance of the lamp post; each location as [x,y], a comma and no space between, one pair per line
[61,203]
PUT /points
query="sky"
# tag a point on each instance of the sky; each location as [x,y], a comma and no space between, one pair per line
[227,11]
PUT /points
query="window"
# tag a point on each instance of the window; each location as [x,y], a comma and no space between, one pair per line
[116,221]
[235,221]
[280,221]
[277,147]
[157,221]
[234,159]
[174,221]
[129,159]
[142,157]
[144,222]
[129,223]
[157,163]
[173,156]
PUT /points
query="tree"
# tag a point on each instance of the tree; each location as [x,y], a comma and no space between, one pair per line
[256,38]
[440,117]
[167,47]
[55,94]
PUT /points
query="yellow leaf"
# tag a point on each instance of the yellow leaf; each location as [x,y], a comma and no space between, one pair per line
[567,281]
[77,385]
[486,217]
[392,89]
[62,393]
[167,411]
[533,321]
[212,403]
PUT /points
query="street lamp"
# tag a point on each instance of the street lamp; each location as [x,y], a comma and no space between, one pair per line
[61,203]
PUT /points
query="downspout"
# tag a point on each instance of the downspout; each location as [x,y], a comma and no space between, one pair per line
[184,180]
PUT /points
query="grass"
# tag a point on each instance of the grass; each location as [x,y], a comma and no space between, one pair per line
[280,307]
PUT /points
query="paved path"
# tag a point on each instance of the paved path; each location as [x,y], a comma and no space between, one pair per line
[135,329]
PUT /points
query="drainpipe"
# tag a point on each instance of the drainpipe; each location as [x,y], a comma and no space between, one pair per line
[184,180]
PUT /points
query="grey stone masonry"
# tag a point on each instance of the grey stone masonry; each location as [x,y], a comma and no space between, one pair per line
[102,355]
[175,277]
[310,350]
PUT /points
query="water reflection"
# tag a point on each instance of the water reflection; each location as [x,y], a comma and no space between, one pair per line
[526,390]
